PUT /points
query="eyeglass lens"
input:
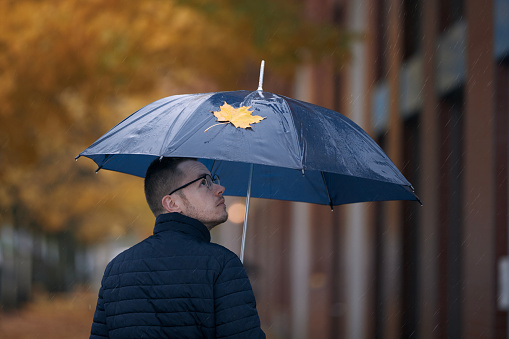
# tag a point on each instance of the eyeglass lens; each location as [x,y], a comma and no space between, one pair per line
[211,180]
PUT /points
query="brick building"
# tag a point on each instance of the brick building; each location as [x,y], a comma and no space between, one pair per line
[429,81]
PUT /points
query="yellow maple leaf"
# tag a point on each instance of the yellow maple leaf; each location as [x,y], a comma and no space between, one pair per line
[239,117]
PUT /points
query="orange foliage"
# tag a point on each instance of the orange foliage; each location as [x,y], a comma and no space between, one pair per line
[71,69]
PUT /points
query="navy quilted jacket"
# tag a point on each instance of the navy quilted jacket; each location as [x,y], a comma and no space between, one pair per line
[176,284]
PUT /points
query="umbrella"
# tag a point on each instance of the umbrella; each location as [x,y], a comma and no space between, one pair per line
[261,145]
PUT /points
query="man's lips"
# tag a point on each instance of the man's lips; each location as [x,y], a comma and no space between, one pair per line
[221,202]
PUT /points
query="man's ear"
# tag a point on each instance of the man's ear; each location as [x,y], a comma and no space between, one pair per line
[170,204]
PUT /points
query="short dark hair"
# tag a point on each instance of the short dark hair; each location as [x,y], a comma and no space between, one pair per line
[162,176]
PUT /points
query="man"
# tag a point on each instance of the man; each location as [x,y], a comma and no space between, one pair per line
[176,283]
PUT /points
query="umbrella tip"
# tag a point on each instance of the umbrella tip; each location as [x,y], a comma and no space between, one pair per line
[260,81]
[416,197]
[76,157]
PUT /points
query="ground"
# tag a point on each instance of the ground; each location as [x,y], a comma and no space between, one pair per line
[51,316]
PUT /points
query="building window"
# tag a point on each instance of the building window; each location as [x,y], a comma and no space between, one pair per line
[450,226]
[501,125]
[410,231]
[379,260]
[450,12]
[411,27]
[381,39]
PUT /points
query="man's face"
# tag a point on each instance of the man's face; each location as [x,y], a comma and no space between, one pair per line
[197,200]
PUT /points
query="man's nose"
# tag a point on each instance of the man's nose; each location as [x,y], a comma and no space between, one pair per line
[220,189]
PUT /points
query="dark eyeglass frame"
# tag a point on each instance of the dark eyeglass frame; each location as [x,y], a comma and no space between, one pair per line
[210,180]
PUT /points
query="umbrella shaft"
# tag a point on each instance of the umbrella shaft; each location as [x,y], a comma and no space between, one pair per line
[244,229]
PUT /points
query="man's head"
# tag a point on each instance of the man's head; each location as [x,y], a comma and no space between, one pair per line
[202,199]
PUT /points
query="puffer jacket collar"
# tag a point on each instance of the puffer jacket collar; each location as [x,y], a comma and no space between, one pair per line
[177,222]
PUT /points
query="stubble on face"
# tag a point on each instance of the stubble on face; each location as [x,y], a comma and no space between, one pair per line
[196,213]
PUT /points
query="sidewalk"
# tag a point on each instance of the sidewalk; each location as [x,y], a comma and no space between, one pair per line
[51,316]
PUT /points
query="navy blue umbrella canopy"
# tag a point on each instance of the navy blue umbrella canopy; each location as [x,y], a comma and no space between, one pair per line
[298,152]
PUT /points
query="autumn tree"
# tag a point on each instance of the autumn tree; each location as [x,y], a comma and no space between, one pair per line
[71,69]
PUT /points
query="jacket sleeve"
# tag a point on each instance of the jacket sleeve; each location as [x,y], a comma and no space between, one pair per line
[235,305]
[99,328]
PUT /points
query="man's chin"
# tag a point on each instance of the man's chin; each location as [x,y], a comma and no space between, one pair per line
[223,219]
[220,221]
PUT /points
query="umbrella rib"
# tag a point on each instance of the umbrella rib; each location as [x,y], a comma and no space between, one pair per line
[107,159]
[327,190]
[297,135]
[185,120]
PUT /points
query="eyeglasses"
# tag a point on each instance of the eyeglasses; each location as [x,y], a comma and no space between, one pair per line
[207,180]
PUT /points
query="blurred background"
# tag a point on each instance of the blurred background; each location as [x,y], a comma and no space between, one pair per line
[428,80]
